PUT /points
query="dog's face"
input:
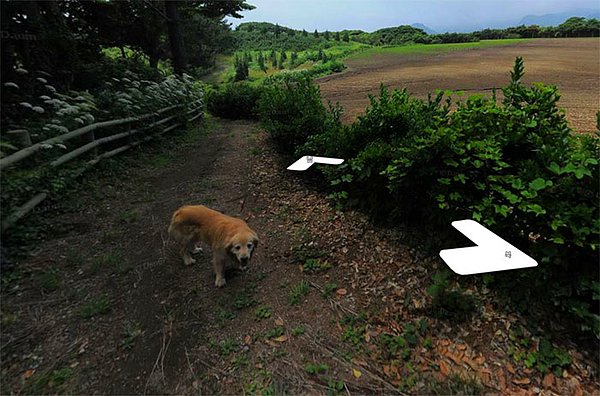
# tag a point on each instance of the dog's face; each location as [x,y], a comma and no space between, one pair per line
[242,246]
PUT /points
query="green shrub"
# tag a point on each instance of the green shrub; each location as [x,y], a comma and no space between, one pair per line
[291,110]
[234,101]
[515,166]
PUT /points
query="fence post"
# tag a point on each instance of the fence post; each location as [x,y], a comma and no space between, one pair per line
[21,137]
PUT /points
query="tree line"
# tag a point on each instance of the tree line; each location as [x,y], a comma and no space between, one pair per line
[264,35]
[66,38]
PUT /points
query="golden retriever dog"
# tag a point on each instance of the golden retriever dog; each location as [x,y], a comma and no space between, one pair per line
[229,238]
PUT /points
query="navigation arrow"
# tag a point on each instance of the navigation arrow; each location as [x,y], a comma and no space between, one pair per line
[306,162]
[491,254]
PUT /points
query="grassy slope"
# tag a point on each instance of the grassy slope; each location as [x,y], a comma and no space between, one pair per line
[351,50]
[424,49]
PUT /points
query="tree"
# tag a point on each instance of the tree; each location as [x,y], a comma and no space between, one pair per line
[261,62]
[304,33]
[345,37]
[280,63]
[294,59]
[326,35]
[175,36]
[273,58]
[316,33]
[337,36]
[241,68]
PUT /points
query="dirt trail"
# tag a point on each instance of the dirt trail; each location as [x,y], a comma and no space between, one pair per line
[165,329]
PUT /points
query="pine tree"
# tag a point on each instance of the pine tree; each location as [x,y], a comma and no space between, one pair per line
[273,58]
[294,59]
[261,62]
[280,63]
[304,33]
[337,36]
[241,68]
[326,35]
[346,38]
[320,55]
[283,56]
[316,33]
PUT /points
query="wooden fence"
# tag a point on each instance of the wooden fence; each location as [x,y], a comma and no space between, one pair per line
[92,144]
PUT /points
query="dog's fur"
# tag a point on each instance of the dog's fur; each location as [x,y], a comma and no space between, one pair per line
[228,237]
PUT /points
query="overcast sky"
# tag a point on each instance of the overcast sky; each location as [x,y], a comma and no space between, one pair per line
[369,15]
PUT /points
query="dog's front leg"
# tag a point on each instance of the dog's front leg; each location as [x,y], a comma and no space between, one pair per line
[186,249]
[219,260]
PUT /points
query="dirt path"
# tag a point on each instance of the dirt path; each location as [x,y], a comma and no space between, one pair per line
[105,306]
[573,65]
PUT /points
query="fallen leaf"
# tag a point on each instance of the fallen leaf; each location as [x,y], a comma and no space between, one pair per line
[367,337]
[501,380]
[521,381]
[279,322]
[386,370]
[444,368]
[461,347]
[359,362]
[280,338]
[356,373]
[27,373]
[248,340]
[480,360]
[510,368]
[341,292]
[548,380]
[269,342]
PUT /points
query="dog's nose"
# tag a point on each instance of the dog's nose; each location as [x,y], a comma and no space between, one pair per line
[244,260]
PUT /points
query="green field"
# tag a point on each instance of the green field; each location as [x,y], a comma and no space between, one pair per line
[424,49]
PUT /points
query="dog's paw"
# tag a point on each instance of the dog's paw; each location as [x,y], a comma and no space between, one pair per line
[220,282]
[197,250]
[189,261]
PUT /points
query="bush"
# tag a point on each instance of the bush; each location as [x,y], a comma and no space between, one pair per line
[234,101]
[291,110]
[515,167]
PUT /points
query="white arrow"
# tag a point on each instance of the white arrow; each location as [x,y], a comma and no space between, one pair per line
[306,162]
[492,253]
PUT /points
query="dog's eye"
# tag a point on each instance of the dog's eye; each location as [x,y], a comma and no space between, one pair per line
[237,247]
[250,246]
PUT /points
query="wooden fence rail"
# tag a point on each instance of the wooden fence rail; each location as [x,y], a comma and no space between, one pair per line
[93,145]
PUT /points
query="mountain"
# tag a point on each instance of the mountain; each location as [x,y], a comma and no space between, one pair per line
[557,19]
[427,29]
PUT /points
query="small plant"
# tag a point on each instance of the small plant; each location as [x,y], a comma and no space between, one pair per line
[336,387]
[263,312]
[355,328]
[447,303]
[542,356]
[131,332]
[227,347]
[225,315]
[275,332]
[129,216]
[94,307]
[298,331]
[298,292]
[320,368]
[245,298]
[329,289]
[241,361]
[108,260]
[50,280]
[49,382]
[315,265]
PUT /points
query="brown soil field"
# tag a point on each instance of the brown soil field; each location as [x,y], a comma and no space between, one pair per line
[573,65]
